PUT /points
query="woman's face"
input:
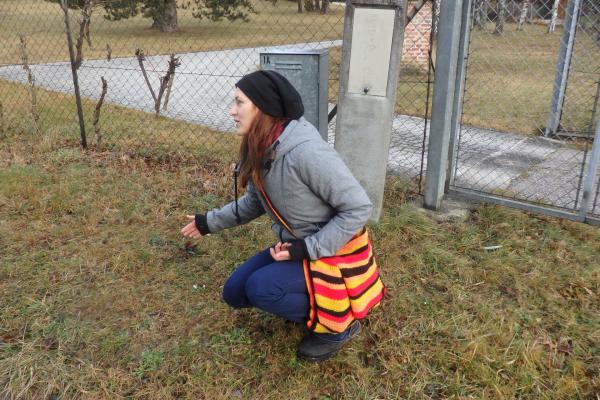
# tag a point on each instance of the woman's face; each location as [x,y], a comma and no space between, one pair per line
[243,112]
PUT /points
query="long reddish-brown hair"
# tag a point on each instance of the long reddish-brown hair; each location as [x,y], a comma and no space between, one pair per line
[254,144]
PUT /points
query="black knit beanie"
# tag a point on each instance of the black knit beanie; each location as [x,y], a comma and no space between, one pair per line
[272,93]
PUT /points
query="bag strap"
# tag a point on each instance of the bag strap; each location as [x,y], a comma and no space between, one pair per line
[279,217]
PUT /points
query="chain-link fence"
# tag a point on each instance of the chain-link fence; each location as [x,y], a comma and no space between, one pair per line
[530,101]
[148,106]
[129,43]
[408,149]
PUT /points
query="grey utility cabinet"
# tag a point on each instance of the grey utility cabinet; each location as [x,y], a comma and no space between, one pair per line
[307,71]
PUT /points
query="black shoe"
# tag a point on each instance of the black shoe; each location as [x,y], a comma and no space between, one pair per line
[315,347]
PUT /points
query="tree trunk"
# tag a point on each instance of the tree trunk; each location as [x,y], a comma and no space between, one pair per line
[481,17]
[317,5]
[500,17]
[325,6]
[477,14]
[523,15]
[167,21]
[170,20]
[554,17]
[300,6]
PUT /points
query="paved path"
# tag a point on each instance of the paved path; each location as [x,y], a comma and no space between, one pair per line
[202,89]
[533,168]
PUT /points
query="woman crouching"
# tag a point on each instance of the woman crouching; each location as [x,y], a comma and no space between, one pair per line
[322,271]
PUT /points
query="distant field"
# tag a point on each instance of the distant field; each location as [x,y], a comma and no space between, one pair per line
[43,23]
[510,79]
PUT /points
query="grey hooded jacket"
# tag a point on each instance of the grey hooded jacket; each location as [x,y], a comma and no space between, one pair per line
[311,188]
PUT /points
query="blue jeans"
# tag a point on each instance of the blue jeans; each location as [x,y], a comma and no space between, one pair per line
[277,287]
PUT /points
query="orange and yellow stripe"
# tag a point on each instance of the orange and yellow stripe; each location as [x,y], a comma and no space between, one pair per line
[344,287]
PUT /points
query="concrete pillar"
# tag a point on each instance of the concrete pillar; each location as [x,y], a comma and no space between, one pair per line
[373,39]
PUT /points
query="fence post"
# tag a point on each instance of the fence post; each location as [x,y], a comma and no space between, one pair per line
[443,101]
[565,55]
[590,177]
[465,36]
[373,39]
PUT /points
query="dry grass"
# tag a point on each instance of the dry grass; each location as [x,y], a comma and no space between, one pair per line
[510,80]
[101,297]
[121,128]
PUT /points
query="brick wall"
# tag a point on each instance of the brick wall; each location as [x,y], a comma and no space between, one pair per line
[416,37]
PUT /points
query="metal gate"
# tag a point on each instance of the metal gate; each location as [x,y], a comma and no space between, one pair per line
[529,108]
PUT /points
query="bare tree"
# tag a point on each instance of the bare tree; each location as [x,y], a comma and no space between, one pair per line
[554,17]
[31,80]
[532,12]
[139,53]
[168,94]
[77,59]
[500,18]
[84,25]
[97,132]
[164,81]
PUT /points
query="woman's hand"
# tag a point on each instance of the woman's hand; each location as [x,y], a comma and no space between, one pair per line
[190,229]
[279,252]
